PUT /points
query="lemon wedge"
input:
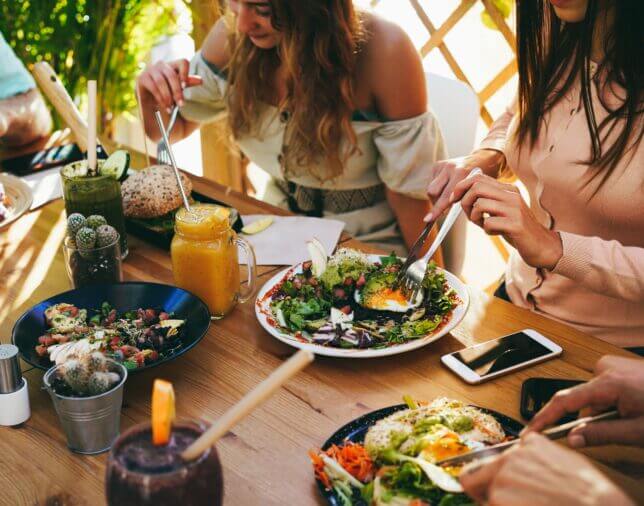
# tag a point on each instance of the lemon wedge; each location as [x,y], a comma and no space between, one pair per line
[257,226]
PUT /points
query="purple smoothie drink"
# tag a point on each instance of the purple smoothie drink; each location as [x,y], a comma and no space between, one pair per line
[140,473]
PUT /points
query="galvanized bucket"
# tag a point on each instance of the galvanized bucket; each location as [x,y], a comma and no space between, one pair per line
[91,424]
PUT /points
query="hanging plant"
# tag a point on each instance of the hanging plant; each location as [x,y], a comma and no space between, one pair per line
[106,40]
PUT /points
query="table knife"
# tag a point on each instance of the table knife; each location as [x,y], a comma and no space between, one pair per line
[552,433]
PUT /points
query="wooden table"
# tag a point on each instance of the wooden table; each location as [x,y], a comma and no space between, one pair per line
[264,456]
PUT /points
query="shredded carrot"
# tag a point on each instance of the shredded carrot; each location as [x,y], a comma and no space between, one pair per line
[318,466]
[354,458]
[351,456]
[418,502]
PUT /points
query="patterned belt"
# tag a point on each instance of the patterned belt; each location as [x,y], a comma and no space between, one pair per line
[314,201]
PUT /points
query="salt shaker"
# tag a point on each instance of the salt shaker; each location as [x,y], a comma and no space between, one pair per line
[14,392]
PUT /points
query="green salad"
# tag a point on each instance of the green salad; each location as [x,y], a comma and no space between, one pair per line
[389,466]
[354,302]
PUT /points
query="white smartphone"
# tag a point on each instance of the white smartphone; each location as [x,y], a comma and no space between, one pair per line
[500,356]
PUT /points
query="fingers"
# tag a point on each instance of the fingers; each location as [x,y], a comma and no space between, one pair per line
[181,67]
[490,207]
[625,431]
[437,190]
[476,480]
[174,83]
[193,81]
[598,393]
[165,82]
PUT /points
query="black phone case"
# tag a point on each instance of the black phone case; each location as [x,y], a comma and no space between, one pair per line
[536,392]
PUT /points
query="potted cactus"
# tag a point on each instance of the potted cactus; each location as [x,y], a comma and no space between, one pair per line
[87,392]
[92,250]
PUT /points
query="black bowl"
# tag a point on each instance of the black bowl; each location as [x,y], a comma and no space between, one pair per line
[124,297]
[356,430]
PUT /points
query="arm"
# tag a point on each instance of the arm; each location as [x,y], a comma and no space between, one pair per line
[605,267]
[23,118]
[162,85]
[399,92]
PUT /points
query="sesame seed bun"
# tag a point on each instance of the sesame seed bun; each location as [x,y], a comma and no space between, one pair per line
[152,192]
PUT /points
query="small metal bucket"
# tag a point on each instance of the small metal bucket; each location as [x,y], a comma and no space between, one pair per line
[91,424]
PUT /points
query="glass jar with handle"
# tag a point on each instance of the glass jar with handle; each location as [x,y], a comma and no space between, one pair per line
[205,260]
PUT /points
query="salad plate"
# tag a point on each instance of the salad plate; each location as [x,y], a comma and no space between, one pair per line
[140,324]
[456,426]
[15,199]
[324,312]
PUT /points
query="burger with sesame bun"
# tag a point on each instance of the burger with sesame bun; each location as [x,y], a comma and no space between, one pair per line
[152,195]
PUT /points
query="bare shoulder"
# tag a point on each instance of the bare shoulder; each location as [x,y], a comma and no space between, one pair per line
[215,48]
[394,69]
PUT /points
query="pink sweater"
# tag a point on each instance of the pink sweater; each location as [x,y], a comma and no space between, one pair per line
[598,285]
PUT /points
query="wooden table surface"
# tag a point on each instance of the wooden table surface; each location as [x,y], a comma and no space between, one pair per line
[265,456]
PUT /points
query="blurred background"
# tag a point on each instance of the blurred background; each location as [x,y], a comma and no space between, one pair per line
[113,40]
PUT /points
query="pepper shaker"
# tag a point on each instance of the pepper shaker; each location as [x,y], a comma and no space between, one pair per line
[14,392]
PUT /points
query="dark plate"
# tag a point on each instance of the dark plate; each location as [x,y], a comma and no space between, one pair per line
[356,430]
[162,238]
[124,297]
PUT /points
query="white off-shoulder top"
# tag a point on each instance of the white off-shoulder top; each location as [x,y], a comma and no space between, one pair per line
[397,154]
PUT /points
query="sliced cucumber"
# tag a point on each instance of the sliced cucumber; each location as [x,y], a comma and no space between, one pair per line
[75,169]
[116,165]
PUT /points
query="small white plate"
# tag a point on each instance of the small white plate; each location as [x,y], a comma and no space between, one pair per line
[264,314]
[19,196]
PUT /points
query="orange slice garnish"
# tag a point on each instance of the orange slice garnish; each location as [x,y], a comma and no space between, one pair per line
[162,411]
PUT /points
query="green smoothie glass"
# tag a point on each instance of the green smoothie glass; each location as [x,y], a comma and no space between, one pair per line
[96,195]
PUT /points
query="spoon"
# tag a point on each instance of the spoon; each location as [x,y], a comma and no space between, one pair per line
[164,134]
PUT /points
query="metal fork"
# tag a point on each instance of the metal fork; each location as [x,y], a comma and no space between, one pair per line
[412,273]
[163,156]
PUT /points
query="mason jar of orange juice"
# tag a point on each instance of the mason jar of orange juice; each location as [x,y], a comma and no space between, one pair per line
[204,257]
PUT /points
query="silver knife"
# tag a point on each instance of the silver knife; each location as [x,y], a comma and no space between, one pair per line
[552,433]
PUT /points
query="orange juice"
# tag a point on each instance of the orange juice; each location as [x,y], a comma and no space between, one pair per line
[204,256]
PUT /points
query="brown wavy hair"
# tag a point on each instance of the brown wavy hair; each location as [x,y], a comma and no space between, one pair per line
[320,43]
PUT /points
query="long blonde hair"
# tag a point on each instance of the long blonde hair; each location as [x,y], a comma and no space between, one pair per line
[319,49]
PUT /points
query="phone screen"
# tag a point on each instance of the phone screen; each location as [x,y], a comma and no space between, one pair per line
[503,353]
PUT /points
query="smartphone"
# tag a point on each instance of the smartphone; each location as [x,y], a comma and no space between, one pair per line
[500,356]
[536,392]
[56,156]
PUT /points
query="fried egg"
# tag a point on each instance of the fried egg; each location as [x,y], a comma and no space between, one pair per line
[389,299]
[441,429]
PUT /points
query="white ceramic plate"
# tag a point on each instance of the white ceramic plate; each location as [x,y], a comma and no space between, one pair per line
[19,196]
[263,313]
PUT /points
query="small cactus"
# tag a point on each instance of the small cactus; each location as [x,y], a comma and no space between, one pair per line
[89,374]
[101,382]
[95,220]
[105,235]
[75,375]
[75,222]
[86,238]
[94,361]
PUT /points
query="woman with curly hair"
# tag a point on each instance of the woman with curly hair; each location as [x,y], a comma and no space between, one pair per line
[329,100]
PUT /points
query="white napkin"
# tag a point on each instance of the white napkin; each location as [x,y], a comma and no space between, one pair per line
[284,241]
[45,186]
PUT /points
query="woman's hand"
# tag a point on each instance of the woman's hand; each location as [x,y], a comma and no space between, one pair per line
[445,174]
[619,384]
[161,84]
[540,472]
[499,209]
